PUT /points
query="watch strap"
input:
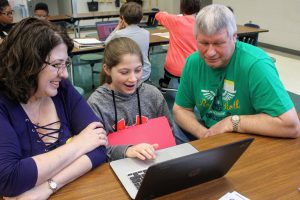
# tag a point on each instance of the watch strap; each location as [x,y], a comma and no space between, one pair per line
[235,122]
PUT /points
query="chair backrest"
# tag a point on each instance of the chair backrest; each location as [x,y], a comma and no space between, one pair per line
[250,38]
[152,22]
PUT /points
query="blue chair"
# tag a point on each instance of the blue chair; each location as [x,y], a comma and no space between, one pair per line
[92,59]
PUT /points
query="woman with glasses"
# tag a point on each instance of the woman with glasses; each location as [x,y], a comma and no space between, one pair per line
[6,19]
[49,135]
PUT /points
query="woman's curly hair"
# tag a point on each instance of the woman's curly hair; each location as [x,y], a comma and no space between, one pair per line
[23,54]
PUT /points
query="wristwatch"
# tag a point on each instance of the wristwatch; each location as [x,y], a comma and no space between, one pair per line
[52,185]
[235,119]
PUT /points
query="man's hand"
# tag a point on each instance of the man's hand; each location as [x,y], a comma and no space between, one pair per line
[223,126]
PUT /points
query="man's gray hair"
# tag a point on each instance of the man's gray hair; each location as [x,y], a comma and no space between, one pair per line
[213,18]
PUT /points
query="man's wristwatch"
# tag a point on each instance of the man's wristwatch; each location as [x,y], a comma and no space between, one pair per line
[52,185]
[235,119]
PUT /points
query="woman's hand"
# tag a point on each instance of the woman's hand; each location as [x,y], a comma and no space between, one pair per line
[91,137]
[39,192]
[142,151]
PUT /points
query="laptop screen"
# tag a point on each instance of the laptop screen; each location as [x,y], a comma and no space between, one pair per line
[105,28]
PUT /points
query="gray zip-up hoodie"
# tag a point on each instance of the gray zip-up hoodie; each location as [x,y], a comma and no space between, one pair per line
[105,102]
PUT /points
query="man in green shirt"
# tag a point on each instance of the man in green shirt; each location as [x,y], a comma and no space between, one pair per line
[235,86]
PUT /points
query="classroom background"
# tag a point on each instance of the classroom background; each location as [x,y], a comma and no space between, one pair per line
[282,42]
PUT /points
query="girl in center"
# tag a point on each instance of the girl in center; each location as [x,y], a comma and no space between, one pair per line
[122,100]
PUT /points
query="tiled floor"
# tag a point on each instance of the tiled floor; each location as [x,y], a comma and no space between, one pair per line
[288,67]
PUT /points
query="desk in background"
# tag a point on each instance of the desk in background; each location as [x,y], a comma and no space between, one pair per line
[59,18]
[76,18]
[241,29]
[269,169]
[157,40]
[154,41]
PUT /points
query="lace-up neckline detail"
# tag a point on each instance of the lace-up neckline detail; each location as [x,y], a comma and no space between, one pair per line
[49,133]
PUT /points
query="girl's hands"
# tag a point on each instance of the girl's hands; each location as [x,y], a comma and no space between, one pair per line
[142,151]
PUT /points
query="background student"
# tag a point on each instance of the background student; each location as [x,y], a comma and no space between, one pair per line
[49,135]
[234,85]
[182,39]
[6,19]
[123,100]
[41,11]
[130,16]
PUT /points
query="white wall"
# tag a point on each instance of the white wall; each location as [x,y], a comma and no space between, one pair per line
[171,6]
[21,9]
[64,7]
[281,18]
[52,5]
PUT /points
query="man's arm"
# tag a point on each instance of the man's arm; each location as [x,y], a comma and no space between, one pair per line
[186,119]
[285,125]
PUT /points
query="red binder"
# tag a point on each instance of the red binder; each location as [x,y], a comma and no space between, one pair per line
[155,131]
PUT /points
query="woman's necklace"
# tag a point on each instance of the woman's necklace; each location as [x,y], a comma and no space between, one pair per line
[33,114]
[37,122]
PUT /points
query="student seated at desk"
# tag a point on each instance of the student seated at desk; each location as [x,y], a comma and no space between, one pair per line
[235,86]
[49,135]
[182,39]
[41,11]
[123,100]
[130,16]
[6,19]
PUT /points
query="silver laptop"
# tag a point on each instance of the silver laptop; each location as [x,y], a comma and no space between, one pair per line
[176,168]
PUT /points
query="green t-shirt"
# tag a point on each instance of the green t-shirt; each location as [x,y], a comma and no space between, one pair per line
[250,84]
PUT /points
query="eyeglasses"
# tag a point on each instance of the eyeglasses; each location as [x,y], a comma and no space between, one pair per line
[7,13]
[61,66]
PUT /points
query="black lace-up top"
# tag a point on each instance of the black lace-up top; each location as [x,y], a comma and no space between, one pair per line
[50,133]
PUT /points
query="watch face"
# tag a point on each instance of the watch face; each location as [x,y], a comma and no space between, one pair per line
[53,185]
[235,117]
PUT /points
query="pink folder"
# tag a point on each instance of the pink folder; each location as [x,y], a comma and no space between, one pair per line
[155,131]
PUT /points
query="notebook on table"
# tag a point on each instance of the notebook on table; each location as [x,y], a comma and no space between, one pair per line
[87,43]
[176,168]
[104,28]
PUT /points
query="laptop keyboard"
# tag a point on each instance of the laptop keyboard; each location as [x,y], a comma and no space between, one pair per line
[137,177]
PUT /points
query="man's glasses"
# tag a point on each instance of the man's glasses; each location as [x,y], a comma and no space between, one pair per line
[61,66]
[7,13]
